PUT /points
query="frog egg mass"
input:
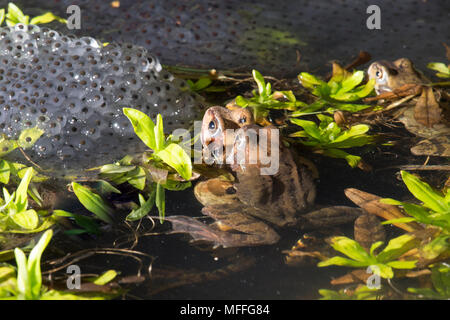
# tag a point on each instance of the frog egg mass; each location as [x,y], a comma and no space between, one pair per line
[75,89]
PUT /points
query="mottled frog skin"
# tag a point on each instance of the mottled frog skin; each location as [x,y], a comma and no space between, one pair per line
[390,76]
[393,75]
[253,200]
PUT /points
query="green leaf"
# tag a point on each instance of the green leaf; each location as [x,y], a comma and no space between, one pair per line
[47,18]
[350,248]
[309,81]
[105,188]
[23,280]
[2,16]
[396,247]
[177,158]
[27,219]
[144,209]
[422,191]
[4,171]
[106,277]
[115,168]
[21,199]
[406,264]
[159,133]
[143,126]
[6,146]
[350,82]
[201,84]
[442,69]
[374,247]
[93,202]
[437,246]
[336,153]
[29,136]
[310,128]
[259,79]
[16,15]
[34,263]
[160,201]
[138,179]
[341,261]
[399,220]
[241,101]
[383,271]
[173,185]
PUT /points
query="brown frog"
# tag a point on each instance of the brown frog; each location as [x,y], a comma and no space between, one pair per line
[391,76]
[244,208]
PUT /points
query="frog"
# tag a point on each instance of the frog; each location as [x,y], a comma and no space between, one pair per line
[391,76]
[247,210]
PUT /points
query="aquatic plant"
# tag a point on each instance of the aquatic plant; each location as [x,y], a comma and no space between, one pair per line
[440,278]
[264,99]
[328,138]
[15,215]
[360,293]
[26,282]
[381,263]
[443,70]
[167,160]
[338,93]
[15,15]
[93,202]
[434,211]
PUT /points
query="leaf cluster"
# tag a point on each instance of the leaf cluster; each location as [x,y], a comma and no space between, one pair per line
[328,138]
[339,93]
[381,263]
[264,99]
[15,15]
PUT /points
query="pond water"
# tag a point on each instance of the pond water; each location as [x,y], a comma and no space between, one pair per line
[278,40]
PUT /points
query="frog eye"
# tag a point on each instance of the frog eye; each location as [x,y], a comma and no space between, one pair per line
[243,120]
[379,74]
[212,125]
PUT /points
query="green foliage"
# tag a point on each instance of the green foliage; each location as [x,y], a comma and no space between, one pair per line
[26,140]
[440,277]
[435,208]
[338,93]
[87,224]
[443,70]
[93,202]
[15,15]
[156,171]
[361,293]
[27,285]
[264,99]
[383,262]
[328,138]
[204,84]
[434,211]
[153,136]
[2,16]
[15,216]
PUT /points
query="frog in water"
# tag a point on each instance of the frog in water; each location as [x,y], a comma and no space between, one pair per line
[390,76]
[243,209]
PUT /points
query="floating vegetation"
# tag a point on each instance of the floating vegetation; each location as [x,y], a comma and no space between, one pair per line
[14,16]
[328,138]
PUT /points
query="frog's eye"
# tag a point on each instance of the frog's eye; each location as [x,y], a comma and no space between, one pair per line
[243,120]
[379,74]
[212,125]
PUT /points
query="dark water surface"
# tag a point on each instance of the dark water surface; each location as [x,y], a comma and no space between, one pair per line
[245,35]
